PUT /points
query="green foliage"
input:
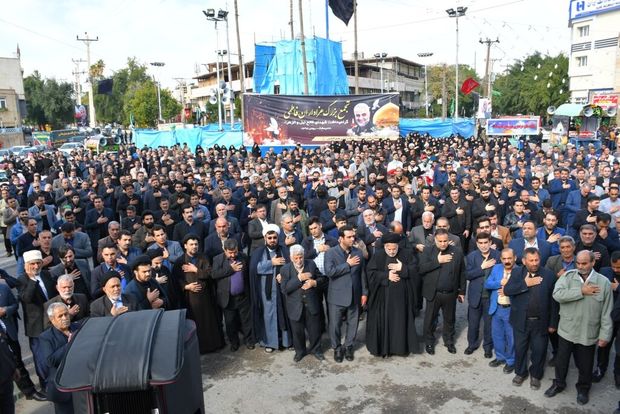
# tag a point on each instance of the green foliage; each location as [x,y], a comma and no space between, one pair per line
[142,102]
[48,101]
[435,76]
[523,86]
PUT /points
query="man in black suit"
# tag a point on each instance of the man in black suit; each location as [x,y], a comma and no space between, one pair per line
[35,288]
[110,262]
[231,272]
[370,231]
[8,331]
[188,225]
[443,271]
[96,223]
[299,284]
[533,314]
[77,303]
[213,242]
[113,302]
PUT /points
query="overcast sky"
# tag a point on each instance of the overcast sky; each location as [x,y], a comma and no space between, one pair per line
[176,32]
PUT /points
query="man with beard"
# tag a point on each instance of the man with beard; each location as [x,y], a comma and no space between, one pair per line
[144,289]
[344,266]
[192,271]
[533,315]
[96,223]
[188,225]
[442,269]
[143,237]
[390,329]
[479,264]
[79,272]
[458,212]
[271,325]
[113,302]
[154,194]
[231,274]
[300,280]
[484,204]
[77,303]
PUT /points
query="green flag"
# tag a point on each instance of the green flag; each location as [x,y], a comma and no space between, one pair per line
[496,93]
[131,120]
[451,107]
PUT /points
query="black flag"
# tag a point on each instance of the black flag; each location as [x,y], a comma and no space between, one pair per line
[104,87]
[342,9]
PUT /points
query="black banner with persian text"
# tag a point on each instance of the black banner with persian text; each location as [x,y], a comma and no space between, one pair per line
[312,120]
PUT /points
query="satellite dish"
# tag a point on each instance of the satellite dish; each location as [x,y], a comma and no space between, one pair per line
[551,110]
[588,112]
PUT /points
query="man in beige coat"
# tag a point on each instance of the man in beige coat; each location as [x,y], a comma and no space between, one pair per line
[586,301]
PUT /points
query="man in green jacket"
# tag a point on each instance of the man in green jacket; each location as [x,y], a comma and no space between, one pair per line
[586,301]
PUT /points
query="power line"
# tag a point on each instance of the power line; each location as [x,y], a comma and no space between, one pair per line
[40,34]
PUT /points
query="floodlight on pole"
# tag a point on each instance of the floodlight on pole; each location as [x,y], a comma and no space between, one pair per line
[425,55]
[382,56]
[459,12]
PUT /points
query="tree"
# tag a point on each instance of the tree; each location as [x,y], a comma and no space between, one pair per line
[435,78]
[48,101]
[142,103]
[532,85]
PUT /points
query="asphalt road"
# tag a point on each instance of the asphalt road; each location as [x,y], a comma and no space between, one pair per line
[254,381]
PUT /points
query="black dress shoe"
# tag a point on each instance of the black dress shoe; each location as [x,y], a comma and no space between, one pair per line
[250,346]
[348,353]
[451,349]
[553,391]
[469,351]
[508,369]
[582,398]
[598,375]
[496,363]
[430,349]
[37,396]
[488,354]
[339,354]
[234,347]
[299,357]
[319,356]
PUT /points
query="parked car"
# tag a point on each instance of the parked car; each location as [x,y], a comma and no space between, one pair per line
[17,148]
[68,147]
[27,150]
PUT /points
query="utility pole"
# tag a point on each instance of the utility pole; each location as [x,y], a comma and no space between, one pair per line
[357,74]
[487,75]
[444,97]
[290,22]
[182,89]
[91,99]
[303,46]
[78,86]
[241,67]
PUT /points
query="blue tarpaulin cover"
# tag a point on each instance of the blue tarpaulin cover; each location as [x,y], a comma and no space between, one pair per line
[284,62]
[438,128]
[206,136]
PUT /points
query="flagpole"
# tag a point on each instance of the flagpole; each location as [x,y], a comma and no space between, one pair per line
[303,46]
[357,80]
[327,19]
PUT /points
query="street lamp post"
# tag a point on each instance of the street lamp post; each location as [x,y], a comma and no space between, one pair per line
[222,15]
[425,55]
[381,56]
[158,65]
[459,12]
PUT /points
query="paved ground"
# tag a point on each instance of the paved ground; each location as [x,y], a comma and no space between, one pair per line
[253,381]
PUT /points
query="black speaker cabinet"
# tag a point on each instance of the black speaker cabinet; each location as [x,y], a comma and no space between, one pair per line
[144,362]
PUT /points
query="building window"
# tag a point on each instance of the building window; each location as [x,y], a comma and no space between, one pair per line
[3,102]
[582,61]
[584,31]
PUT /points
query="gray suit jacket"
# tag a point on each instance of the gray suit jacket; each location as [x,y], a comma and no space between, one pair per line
[81,244]
[554,263]
[102,306]
[417,235]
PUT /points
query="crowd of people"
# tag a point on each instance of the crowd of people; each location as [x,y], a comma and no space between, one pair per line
[276,250]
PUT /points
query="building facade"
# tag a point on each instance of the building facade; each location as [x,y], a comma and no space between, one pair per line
[12,101]
[594,59]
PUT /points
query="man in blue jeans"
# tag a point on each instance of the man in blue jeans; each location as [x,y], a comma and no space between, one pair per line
[499,309]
